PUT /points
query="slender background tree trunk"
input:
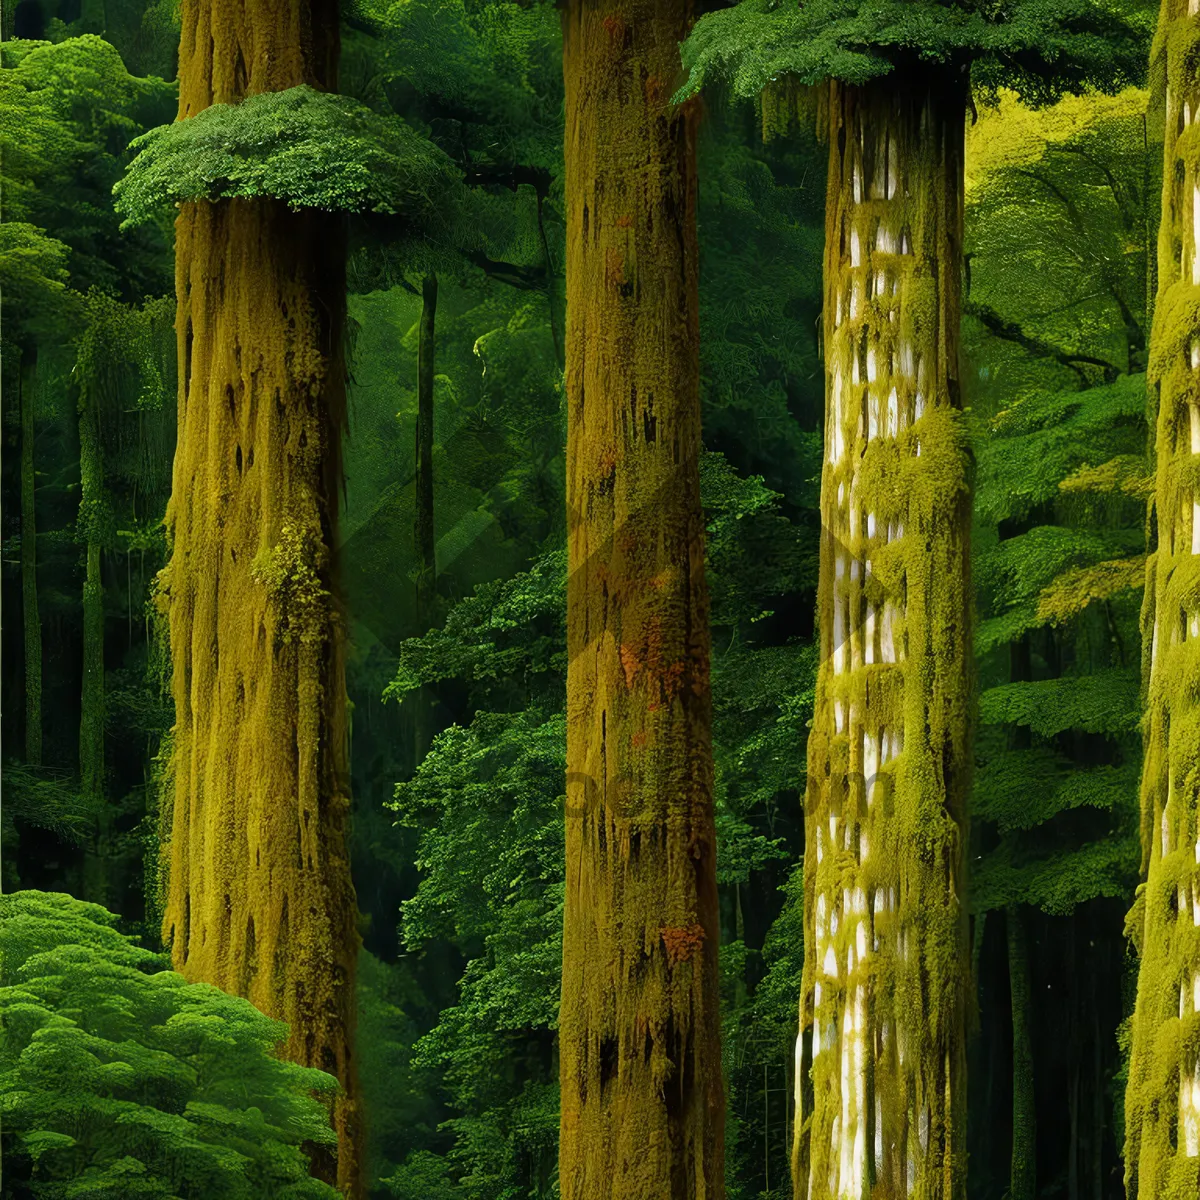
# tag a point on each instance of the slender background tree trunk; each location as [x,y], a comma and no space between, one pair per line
[426,544]
[260,900]
[91,711]
[883,999]
[29,587]
[642,1092]
[1023,1177]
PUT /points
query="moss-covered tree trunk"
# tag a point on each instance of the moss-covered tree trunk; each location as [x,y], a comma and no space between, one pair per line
[29,588]
[1162,1103]
[1023,1174]
[259,899]
[91,709]
[881,1051]
[642,1096]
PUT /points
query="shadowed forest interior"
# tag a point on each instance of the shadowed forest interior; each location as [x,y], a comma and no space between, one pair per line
[501,498]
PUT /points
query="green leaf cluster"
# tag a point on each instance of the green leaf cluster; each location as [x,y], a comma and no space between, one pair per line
[120,1079]
[310,149]
[1041,48]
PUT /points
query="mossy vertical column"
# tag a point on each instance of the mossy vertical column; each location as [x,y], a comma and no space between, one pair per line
[1162,1105]
[259,898]
[881,1050]
[642,1094]
[29,588]
[94,520]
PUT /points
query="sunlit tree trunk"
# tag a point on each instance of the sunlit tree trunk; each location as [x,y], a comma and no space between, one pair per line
[1162,1103]
[642,1095]
[881,1051]
[260,900]
[29,588]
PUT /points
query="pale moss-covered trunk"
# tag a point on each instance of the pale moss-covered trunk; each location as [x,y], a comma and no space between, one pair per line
[880,1079]
[91,710]
[29,588]
[642,1095]
[1162,1102]
[259,898]
[1023,1174]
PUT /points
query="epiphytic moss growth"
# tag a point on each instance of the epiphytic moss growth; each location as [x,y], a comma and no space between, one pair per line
[259,898]
[1162,1103]
[308,148]
[642,1091]
[881,1050]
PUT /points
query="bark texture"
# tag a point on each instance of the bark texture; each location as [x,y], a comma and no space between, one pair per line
[259,898]
[1162,1104]
[881,1051]
[642,1094]
[29,589]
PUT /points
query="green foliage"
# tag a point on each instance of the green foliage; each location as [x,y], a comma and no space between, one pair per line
[1104,702]
[1043,438]
[67,111]
[308,148]
[120,1079]
[1040,48]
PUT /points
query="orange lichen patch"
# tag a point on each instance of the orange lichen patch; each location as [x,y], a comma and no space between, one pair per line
[671,679]
[682,942]
[656,91]
[614,265]
[625,1130]
[629,663]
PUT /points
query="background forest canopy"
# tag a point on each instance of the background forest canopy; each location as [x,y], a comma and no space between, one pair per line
[445,145]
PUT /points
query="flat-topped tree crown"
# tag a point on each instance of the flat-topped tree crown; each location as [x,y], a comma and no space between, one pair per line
[1039,48]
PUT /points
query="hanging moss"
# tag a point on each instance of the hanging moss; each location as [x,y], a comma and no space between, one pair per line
[259,899]
[880,1057]
[641,1082]
[1162,1102]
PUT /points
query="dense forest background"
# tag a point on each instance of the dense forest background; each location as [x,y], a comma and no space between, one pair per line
[456,675]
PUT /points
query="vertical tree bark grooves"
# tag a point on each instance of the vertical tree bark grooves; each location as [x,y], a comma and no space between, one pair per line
[29,590]
[881,1049]
[92,511]
[1023,1175]
[260,900]
[639,1032]
[1162,1104]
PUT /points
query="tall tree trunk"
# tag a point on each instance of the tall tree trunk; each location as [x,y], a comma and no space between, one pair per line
[1162,1103]
[424,535]
[551,289]
[29,589]
[426,587]
[640,1067]
[886,963]
[260,900]
[1023,1176]
[91,710]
